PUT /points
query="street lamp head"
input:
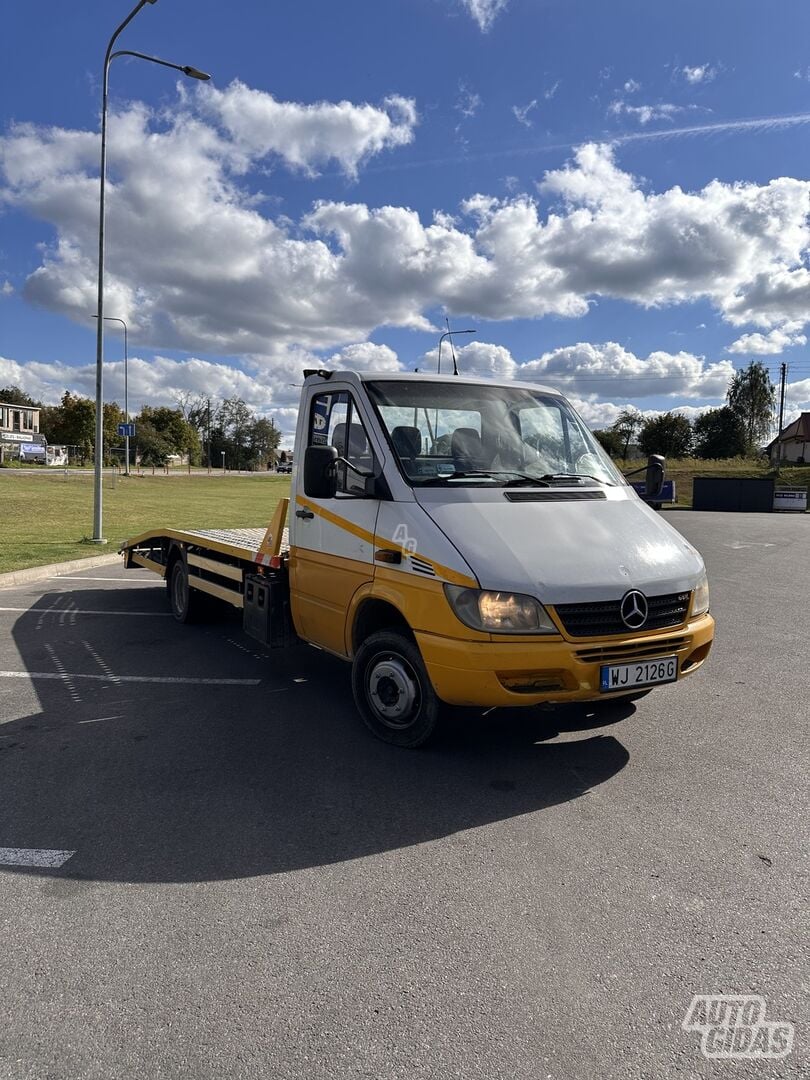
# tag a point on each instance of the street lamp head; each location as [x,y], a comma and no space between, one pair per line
[194,73]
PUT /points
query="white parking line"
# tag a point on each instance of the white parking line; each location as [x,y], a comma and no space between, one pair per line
[84,611]
[17,856]
[120,580]
[67,676]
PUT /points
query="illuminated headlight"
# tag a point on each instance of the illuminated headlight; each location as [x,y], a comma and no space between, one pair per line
[499,612]
[700,597]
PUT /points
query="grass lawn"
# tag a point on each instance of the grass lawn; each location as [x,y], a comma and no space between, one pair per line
[46,517]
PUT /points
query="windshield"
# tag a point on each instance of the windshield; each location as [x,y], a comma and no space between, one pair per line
[457,433]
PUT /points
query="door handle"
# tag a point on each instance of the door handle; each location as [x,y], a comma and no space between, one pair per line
[305,514]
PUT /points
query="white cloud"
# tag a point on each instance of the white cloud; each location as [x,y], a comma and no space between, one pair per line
[588,369]
[700,73]
[552,90]
[485,11]
[631,86]
[309,136]
[644,113]
[521,112]
[195,262]
[770,344]
[479,358]
[468,102]
[6,289]
[365,356]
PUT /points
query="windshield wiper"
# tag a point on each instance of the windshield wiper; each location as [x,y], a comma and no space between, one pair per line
[488,474]
[443,478]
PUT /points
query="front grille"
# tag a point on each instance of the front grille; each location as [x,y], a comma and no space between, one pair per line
[604,617]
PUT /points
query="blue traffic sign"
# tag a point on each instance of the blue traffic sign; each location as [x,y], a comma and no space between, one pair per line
[126,429]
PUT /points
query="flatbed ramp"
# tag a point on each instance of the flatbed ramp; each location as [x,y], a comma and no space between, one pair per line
[212,553]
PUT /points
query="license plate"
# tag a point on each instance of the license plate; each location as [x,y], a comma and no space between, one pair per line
[642,673]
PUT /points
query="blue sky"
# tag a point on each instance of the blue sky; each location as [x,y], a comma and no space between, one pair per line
[582,183]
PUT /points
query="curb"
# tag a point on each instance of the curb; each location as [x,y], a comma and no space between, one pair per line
[40,573]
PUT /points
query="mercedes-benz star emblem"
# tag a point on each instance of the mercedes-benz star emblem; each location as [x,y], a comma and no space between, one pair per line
[634,609]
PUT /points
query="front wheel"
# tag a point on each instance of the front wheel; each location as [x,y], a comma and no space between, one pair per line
[393,691]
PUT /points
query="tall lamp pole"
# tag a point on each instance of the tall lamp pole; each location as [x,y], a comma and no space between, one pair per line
[112,318]
[450,334]
[109,56]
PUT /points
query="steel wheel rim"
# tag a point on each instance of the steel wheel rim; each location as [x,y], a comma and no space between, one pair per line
[392,690]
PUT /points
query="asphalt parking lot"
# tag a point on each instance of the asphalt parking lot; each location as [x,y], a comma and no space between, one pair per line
[242,883]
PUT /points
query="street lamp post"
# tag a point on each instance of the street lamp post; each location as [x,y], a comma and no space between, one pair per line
[112,318]
[109,56]
[450,334]
[223,461]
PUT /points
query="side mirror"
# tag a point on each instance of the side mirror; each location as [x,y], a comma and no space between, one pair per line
[654,481]
[320,472]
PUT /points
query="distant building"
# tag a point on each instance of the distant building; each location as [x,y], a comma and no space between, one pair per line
[19,426]
[792,444]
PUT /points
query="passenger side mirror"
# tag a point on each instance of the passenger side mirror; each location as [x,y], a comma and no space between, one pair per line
[654,481]
[320,472]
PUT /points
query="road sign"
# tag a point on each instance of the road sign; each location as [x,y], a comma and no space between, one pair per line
[126,429]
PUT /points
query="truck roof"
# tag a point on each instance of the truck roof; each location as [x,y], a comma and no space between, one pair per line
[418,376]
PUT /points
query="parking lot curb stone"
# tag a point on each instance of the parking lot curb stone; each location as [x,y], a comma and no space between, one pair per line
[39,573]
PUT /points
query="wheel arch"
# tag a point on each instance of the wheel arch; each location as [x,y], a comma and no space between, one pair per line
[370,614]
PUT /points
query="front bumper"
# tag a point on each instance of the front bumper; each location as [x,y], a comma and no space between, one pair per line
[514,673]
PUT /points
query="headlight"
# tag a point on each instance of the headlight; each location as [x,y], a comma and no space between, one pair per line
[499,612]
[700,597]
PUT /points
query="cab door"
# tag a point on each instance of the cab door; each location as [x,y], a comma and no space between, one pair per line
[332,540]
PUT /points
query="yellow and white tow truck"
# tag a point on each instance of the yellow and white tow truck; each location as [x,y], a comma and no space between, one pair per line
[457,540]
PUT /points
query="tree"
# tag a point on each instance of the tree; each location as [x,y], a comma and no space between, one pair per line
[610,440]
[263,440]
[627,425]
[752,396]
[180,435]
[113,416]
[72,422]
[153,446]
[236,418]
[669,434]
[13,395]
[720,433]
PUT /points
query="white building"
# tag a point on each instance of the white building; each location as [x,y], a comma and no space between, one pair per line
[792,444]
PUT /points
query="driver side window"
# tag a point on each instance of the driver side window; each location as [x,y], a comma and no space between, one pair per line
[336,422]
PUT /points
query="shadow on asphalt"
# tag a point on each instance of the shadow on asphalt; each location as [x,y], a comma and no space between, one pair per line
[187,782]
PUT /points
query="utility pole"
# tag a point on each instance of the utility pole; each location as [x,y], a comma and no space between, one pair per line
[208,435]
[783,376]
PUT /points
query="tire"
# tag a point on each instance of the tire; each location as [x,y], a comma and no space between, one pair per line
[393,691]
[187,605]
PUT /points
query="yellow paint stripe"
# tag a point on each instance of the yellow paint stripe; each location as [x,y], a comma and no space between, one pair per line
[444,572]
